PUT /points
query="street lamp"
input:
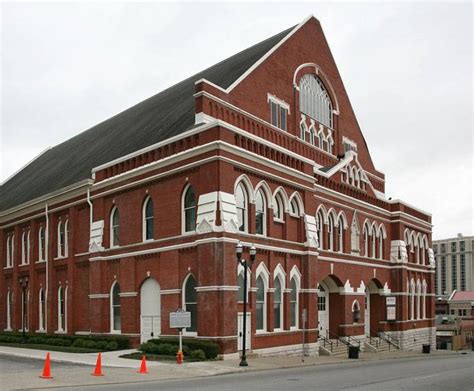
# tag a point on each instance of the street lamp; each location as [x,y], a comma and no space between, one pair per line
[24,283]
[243,262]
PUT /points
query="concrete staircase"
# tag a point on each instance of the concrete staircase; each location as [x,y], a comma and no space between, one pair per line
[333,348]
[378,345]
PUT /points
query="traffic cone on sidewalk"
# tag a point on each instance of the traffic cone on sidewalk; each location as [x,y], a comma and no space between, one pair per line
[47,368]
[143,368]
[98,366]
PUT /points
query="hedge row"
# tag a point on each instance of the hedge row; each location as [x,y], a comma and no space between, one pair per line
[98,343]
[169,346]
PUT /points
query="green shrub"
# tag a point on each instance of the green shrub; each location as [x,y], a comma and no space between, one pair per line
[198,354]
[167,349]
[90,344]
[149,348]
[186,351]
[79,343]
[210,349]
[112,345]
[103,345]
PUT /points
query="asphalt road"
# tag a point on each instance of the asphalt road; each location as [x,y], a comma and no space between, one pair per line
[9,364]
[430,373]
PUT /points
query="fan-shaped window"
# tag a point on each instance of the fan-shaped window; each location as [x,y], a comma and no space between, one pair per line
[189,209]
[277,305]
[148,219]
[114,228]
[314,100]
[260,304]
[190,301]
[241,202]
[260,215]
[115,317]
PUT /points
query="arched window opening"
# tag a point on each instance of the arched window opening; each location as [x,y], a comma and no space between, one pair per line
[61,309]
[24,248]
[189,210]
[425,288]
[41,245]
[25,305]
[261,304]
[366,241]
[412,300]
[340,235]
[279,210]
[260,218]
[294,304]
[355,235]
[355,312]
[41,310]
[116,324]
[277,305]
[9,309]
[331,232]
[241,202]
[148,220]
[302,130]
[320,228]
[311,135]
[66,238]
[418,300]
[381,249]
[294,207]
[114,228]
[373,242]
[314,100]
[61,240]
[190,302]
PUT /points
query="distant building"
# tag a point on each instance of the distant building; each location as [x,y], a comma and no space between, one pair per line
[454,265]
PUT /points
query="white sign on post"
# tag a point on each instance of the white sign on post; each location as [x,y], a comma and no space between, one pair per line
[180,319]
[391,313]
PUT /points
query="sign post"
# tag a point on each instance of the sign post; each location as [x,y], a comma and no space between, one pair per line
[180,320]
[391,303]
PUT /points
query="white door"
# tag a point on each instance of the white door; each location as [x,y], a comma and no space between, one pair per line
[323,311]
[150,310]
[367,313]
[248,338]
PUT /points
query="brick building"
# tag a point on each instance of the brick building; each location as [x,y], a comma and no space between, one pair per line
[141,214]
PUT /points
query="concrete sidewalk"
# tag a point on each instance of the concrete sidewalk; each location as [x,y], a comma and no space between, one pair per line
[119,370]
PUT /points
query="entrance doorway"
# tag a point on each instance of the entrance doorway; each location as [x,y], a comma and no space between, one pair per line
[323,309]
[240,329]
[150,310]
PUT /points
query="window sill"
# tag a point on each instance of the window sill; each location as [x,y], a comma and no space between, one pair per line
[190,333]
[59,258]
[60,332]
[41,261]
[8,267]
[279,221]
[116,332]
[8,329]
[41,331]
[23,264]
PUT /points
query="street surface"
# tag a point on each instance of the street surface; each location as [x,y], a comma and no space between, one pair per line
[455,372]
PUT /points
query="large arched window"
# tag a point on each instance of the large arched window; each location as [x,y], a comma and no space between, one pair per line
[41,245]
[115,317]
[294,303]
[241,202]
[331,227]
[355,235]
[261,307]
[366,240]
[373,241]
[260,214]
[412,299]
[314,100]
[320,227]
[25,248]
[418,299]
[340,235]
[277,305]
[189,209]
[41,310]
[11,251]
[190,301]
[294,207]
[148,219]
[9,309]
[425,288]
[62,302]
[114,227]
[25,305]
[279,209]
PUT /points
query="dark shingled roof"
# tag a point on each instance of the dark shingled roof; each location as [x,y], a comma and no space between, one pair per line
[162,116]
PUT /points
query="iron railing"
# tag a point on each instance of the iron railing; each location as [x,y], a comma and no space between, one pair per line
[389,339]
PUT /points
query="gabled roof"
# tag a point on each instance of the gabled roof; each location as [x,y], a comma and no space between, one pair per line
[160,117]
[462,296]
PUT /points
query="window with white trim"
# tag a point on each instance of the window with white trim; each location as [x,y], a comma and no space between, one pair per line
[340,235]
[294,303]
[278,112]
[348,145]
[241,203]
[61,239]
[277,305]
[25,301]
[10,250]
[320,227]
[314,100]
[148,220]
[41,245]
[331,232]
[279,209]
[114,227]
[189,210]
[115,312]
[260,213]
[9,309]
[261,307]
[41,310]
[190,301]
[294,207]
[62,309]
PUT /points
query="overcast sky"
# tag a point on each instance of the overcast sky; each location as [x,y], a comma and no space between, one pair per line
[407,68]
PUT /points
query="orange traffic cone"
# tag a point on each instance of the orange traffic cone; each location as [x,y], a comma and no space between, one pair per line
[98,366]
[47,368]
[143,368]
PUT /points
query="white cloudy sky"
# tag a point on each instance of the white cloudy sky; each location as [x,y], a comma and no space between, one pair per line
[406,66]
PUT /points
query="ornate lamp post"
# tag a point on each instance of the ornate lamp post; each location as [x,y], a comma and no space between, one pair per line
[246,265]
[24,283]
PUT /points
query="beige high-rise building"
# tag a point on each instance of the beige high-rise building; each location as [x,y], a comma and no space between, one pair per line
[454,264]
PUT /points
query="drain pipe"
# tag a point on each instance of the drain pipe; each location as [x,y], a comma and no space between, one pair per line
[46,255]
[91,210]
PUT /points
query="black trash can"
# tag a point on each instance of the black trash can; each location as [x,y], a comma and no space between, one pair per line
[426,348]
[472,344]
[353,351]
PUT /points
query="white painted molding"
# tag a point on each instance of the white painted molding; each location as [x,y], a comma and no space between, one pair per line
[170,291]
[128,294]
[96,236]
[210,288]
[311,231]
[99,296]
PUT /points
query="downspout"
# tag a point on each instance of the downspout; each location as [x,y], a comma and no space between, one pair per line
[46,251]
[91,210]
[90,228]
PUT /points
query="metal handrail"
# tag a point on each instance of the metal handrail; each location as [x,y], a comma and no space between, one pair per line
[388,338]
[353,341]
[336,338]
[326,341]
[374,341]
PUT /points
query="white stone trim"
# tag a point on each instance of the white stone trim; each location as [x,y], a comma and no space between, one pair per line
[128,294]
[210,288]
[99,296]
[170,291]
[278,101]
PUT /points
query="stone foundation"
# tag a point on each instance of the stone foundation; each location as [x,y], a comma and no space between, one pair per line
[413,340]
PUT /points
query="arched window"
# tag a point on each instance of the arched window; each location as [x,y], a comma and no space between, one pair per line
[366,240]
[261,305]
[114,227]
[11,251]
[190,302]
[9,309]
[381,235]
[356,311]
[240,283]
[41,310]
[320,227]
[412,299]
[277,305]
[241,203]
[279,209]
[294,207]
[8,251]
[294,303]
[425,288]
[314,100]
[331,232]
[61,240]
[340,235]
[66,238]
[41,245]
[311,134]
[24,247]
[260,215]
[148,219]
[189,209]
[373,242]
[302,130]
[61,309]
[355,235]
[115,317]
[418,299]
